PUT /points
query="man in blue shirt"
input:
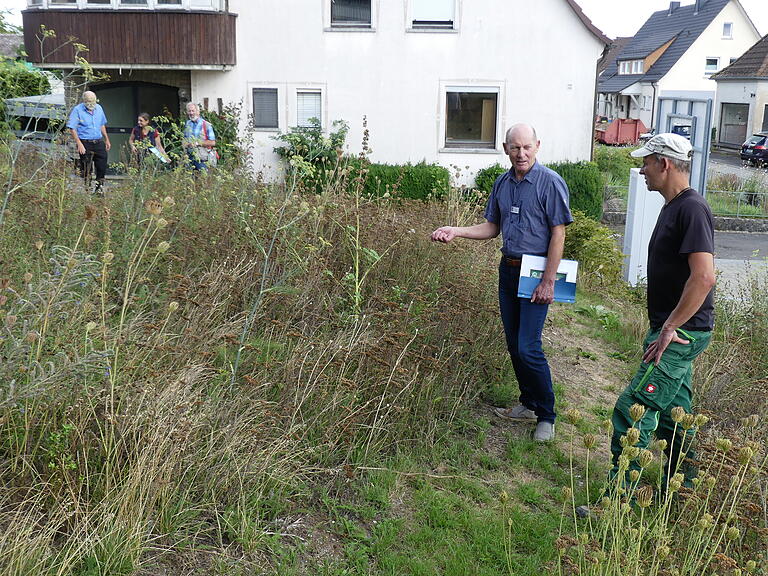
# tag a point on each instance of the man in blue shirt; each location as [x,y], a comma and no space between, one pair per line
[88,126]
[529,206]
[199,139]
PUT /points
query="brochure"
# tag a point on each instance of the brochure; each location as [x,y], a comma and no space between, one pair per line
[532,269]
[157,153]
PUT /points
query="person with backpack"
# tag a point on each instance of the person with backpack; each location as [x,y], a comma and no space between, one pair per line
[199,140]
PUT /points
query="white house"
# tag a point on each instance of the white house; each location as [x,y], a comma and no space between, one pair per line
[674,55]
[437,80]
[742,97]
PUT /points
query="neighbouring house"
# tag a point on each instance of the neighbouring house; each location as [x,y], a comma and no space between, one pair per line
[674,55]
[11,45]
[741,107]
[436,80]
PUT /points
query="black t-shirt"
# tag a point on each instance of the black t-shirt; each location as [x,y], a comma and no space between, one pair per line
[685,225]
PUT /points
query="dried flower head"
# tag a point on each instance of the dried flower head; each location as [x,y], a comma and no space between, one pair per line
[645,459]
[723,444]
[154,207]
[38,245]
[688,421]
[589,441]
[107,257]
[27,277]
[732,533]
[10,320]
[751,421]
[90,212]
[173,306]
[677,414]
[750,566]
[573,416]
[623,462]
[566,493]
[163,247]
[607,426]
[644,496]
[745,455]
[31,337]
[633,436]
[168,201]
[162,223]
[700,420]
[634,476]
[659,445]
[636,412]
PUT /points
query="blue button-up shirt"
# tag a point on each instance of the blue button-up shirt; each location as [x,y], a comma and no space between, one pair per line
[194,129]
[87,124]
[526,211]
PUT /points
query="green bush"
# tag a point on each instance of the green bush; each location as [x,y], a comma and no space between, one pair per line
[485,177]
[594,246]
[585,184]
[416,181]
[615,163]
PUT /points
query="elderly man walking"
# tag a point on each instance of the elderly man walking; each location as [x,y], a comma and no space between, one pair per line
[529,206]
[88,126]
[199,139]
[681,280]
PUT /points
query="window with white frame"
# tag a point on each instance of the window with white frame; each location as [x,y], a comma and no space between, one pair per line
[432,14]
[265,111]
[62,2]
[631,66]
[99,2]
[133,2]
[711,65]
[727,29]
[471,116]
[32,3]
[351,13]
[308,105]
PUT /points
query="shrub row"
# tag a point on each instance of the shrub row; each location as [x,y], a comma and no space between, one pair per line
[416,181]
[583,179]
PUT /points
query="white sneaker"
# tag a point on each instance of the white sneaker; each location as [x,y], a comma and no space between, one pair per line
[545,432]
[518,412]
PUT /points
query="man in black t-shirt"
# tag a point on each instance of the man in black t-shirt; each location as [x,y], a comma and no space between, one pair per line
[681,280]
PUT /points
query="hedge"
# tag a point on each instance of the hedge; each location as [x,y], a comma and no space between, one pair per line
[584,181]
[416,181]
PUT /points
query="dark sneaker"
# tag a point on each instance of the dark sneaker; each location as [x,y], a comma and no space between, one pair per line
[545,432]
[518,412]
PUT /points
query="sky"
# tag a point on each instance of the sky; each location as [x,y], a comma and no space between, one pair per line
[613,17]
[624,17]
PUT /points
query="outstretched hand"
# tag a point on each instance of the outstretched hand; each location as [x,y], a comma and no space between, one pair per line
[443,234]
[656,348]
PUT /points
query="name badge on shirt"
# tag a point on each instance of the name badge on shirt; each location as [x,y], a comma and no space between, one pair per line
[515,210]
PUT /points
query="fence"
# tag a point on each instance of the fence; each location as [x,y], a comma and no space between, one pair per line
[745,203]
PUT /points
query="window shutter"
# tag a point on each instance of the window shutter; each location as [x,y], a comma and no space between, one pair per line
[265,108]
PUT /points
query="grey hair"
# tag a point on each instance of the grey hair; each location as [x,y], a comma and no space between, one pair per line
[683,166]
[520,125]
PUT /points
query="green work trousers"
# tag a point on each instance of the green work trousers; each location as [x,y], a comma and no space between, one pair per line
[660,388]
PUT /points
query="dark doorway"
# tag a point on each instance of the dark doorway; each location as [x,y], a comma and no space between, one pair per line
[122,103]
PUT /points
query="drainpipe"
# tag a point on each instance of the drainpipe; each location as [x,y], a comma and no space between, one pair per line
[653,103]
[594,104]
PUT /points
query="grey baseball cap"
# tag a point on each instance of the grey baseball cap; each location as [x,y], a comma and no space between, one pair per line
[670,145]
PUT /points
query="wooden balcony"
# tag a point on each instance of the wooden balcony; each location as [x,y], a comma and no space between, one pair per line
[138,39]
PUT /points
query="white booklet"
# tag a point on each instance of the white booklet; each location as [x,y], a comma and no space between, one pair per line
[532,269]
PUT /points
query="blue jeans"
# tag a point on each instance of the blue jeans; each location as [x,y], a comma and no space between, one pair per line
[523,323]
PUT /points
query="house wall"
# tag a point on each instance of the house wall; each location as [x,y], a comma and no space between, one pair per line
[753,93]
[397,78]
[688,74]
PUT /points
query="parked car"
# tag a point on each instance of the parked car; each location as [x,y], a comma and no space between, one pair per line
[682,130]
[755,149]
